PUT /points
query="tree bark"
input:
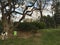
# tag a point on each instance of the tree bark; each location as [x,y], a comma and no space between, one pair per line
[5,24]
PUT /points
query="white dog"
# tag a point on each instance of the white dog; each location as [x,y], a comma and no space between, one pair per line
[4,35]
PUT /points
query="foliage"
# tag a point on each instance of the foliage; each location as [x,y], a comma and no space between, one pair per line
[1,28]
[26,26]
[57,13]
[30,26]
[40,25]
[49,21]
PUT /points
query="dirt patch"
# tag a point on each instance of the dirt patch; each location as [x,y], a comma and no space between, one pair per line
[38,34]
[0,36]
[24,35]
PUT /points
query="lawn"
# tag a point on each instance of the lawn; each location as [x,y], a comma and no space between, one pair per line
[44,37]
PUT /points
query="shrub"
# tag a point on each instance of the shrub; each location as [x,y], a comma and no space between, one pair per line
[1,28]
[27,26]
[40,25]
[31,26]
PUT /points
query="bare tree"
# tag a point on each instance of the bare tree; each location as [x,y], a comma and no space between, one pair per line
[8,7]
[41,5]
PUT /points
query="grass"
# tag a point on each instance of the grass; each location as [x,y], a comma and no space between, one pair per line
[47,37]
[51,37]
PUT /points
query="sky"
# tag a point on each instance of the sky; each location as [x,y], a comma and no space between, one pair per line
[48,11]
[48,6]
[45,12]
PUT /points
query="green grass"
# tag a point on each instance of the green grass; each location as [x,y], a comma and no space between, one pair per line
[48,37]
[51,37]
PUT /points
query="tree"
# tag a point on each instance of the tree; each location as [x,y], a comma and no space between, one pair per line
[41,6]
[56,15]
[8,7]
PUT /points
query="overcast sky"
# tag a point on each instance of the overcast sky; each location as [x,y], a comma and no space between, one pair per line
[45,12]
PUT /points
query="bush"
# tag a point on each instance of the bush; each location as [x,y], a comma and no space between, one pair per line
[27,26]
[40,25]
[31,26]
[1,28]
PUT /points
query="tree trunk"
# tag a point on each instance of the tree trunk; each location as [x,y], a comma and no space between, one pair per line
[5,24]
[40,5]
[41,19]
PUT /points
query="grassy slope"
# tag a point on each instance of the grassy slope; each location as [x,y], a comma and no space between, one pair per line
[47,37]
[51,37]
